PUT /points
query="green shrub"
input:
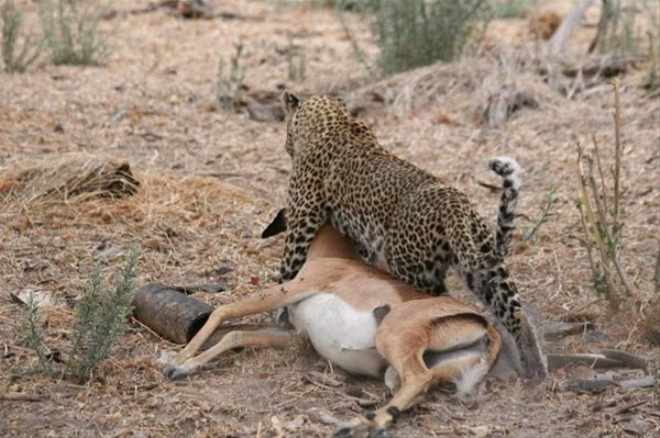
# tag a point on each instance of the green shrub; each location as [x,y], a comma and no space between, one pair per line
[229,86]
[71,32]
[295,58]
[511,8]
[15,59]
[620,27]
[414,33]
[35,337]
[101,317]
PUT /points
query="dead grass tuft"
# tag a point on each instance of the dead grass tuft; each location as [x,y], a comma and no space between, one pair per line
[466,86]
[70,178]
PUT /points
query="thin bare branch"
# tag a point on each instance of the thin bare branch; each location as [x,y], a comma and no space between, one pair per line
[617,154]
[590,224]
[603,187]
[563,34]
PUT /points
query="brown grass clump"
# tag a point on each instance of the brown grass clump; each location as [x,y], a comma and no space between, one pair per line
[67,178]
[544,24]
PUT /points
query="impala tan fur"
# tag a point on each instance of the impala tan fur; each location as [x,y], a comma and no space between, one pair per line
[364,321]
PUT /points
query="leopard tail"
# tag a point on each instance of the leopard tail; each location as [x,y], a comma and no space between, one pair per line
[510,171]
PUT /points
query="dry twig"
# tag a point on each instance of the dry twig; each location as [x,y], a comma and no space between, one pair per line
[601,226]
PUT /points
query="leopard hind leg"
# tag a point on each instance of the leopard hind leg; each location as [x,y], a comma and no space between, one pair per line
[495,288]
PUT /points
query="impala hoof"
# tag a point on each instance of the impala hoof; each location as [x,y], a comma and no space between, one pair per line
[343,431]
[176,372]
[378,433]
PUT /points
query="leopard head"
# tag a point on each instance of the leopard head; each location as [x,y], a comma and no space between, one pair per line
[313,122]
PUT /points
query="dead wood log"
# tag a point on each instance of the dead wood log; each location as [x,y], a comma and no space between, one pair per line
[505,102]
[642,382]
[589,386]
[265,112]
[20,396]
[606,66]
[627,359]
[560,330]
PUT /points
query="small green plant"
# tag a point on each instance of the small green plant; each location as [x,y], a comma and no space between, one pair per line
[546,213]
[620,30]
[72,33]
[101,319]
[35,337]
[295,58]
[100,322]
[229,87]
[414,33]
[600,216]
[510,8]
[16,59]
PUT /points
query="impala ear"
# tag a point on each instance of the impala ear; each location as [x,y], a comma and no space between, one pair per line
[277,226]
[381,312]
[290,102]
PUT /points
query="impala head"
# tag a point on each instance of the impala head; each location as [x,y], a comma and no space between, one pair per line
[327,243]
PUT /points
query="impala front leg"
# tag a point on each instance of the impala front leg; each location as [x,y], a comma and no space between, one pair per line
[267,337]
[269,299]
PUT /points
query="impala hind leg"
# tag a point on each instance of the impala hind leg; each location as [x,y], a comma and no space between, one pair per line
[412,389]
[268,337]
[409,393]
[413,385]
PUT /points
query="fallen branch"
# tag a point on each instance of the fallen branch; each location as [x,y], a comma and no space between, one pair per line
[589,386]
[594,361]
[607,359]
[20,396]
[642,382]
[630,360]
[606,66]
[560,330]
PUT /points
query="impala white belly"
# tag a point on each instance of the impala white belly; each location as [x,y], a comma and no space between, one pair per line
[339,333]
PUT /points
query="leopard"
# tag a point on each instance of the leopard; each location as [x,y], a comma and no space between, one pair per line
[402,219]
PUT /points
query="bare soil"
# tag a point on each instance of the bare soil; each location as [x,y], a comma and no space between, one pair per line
[210,180]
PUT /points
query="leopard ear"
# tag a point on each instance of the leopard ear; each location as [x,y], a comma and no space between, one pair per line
[290,102]
[277,226]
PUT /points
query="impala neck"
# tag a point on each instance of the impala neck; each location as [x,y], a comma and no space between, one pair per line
[331,243]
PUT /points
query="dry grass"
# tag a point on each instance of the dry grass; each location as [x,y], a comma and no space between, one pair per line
[68,178]
[210,180]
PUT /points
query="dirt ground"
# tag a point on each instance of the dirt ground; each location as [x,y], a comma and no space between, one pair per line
[210,180]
